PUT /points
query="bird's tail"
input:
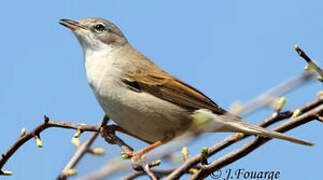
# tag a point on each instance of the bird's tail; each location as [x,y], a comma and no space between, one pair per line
[232,123]
[248,128]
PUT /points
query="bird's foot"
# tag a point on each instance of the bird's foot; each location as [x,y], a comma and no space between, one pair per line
[106,131]
[140,153]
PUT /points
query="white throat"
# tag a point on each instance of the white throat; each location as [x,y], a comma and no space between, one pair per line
[97,63]
[95,54]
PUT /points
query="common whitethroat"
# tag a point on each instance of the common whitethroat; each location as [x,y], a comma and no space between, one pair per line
[144,100]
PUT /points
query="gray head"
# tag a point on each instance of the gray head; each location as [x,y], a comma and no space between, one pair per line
[96,33]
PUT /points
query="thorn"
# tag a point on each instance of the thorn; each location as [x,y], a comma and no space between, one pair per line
[70,172]
[185,153]
[76,142]
[38,141]
[155,163]
[98,151]
[296,113]
[22,132]
[78,133]
[6,173]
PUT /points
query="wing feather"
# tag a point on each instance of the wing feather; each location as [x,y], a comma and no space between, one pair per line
[171,89]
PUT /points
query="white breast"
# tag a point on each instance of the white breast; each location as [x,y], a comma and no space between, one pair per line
[142,114]
[103,77]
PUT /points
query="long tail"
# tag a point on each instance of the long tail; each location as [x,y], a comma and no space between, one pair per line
[232,123]
[247,128]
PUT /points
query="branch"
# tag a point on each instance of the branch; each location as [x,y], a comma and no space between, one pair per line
[35,133]
[268,96]
[112,167]
[311,64]
[193,161]
[81,150]
[257,142]
[311,111]
[158,172]
[117,165]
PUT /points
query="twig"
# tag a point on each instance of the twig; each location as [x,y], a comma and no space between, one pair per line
[138,163]
[259,102]
[81,150]
[118,165]
[149,172]
[110,168]
[112,138]
[158,172]
[47,124]
[268,96]
[257,142]
[115,165]
[232,139]
[311,63]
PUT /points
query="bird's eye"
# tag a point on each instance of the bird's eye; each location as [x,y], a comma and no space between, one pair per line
[99,27]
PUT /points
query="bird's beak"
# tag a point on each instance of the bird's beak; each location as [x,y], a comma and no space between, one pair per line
[73,25]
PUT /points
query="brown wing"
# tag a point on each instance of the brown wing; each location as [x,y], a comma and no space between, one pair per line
[169,88]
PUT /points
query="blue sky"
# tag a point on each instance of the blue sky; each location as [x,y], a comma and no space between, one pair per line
[230,50]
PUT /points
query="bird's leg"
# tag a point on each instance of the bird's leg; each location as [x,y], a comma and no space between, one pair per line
[144,150]
[112,128]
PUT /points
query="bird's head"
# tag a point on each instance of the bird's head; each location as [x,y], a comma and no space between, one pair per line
[96,33]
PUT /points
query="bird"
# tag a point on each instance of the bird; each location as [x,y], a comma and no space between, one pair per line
[144,100]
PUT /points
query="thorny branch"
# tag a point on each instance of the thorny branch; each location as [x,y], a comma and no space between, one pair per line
[311,110]
[36,133]
[81,150]
[306,113]
[261,101]
[311,64]
[257,142]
